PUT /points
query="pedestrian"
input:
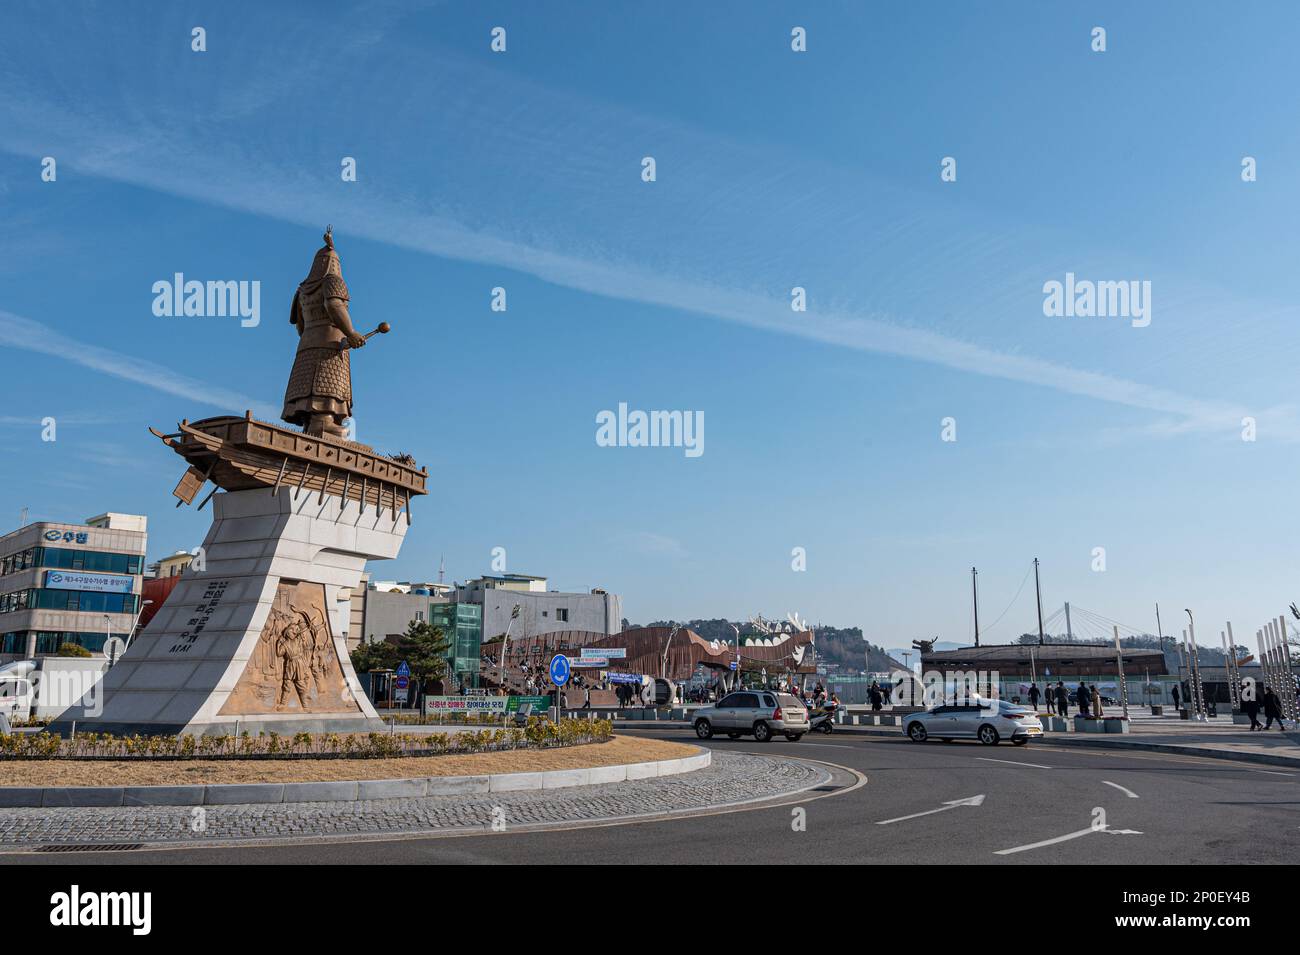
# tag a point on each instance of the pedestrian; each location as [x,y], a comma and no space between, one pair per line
[1049,698]
[1273,709]
[1082,698]
[1096,703]
[1033,695]
[1062,699]
[1250,706]
[877,698]
[1176,697]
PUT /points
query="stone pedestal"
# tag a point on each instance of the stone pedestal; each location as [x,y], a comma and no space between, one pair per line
[254,636]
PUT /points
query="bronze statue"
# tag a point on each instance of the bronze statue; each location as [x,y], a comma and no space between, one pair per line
[319,395]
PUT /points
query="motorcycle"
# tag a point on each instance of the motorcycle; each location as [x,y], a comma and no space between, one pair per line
[822,719]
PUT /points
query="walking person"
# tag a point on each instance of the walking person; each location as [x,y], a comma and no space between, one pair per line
[1096,703]
[1250,706]
[1084,699]
[1033,695]
[877,698]
[1177,706]
[1049,698]
[1273,709]
[1062,699]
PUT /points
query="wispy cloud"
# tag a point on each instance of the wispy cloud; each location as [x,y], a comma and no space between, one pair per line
[539,200]
[656,545]
[28,335]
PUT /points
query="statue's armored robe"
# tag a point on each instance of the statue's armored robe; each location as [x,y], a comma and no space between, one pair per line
[321,380]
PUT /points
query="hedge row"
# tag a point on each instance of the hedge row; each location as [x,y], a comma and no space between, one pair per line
[538,734]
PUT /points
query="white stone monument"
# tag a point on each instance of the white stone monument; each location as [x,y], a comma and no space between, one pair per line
[253,636]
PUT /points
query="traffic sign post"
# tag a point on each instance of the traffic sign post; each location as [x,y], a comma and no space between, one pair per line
[402,682]
[559,671]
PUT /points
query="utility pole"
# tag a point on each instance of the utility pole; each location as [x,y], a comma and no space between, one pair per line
[975,597]
[1038,594]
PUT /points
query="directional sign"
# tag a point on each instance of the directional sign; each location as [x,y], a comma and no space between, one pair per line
[559,669]
[403,669]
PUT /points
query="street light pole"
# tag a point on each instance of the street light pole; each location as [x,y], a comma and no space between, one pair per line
[663,664]
[505,641]
[1197,689]
[1038,596]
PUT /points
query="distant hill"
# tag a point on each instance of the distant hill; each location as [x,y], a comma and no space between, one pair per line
[845,647]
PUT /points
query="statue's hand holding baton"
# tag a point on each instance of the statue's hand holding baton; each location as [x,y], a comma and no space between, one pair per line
[356,341]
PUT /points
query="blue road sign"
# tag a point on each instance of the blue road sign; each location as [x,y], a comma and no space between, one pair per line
[403,669]
[559,669]
[731,665]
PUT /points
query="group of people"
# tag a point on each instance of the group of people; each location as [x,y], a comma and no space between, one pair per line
[1269,701]
[1057,699]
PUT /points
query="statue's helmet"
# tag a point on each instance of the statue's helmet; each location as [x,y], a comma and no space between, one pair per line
[326,261]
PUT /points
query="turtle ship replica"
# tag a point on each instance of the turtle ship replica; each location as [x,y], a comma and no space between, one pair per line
[253,638]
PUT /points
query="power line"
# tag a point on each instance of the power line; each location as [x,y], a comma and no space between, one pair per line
[1013,600]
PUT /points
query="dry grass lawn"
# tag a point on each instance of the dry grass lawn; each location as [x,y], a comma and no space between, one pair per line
[57,772]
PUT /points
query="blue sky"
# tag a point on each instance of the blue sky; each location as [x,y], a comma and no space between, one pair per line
[775,169]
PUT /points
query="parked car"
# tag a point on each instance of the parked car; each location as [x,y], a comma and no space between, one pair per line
[757,713]
[988,721]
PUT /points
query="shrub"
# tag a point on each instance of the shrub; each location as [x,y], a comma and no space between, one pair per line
[539,733]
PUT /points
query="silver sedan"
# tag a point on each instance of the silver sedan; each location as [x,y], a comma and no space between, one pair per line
[989,721]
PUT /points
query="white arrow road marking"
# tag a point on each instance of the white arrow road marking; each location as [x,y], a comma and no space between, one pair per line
[1012,762]
[1066,838]
[1127,792]
[970,801]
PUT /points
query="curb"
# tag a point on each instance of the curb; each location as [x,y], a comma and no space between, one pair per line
[230,794]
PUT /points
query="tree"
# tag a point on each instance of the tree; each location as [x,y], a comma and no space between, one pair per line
[424,647]
[374,656]
[72,650]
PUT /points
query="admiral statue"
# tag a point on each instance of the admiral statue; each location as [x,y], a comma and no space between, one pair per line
[319,395]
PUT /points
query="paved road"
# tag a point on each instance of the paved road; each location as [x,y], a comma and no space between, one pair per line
[1039,805]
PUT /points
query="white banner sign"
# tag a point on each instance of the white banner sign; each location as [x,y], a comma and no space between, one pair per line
[465,704]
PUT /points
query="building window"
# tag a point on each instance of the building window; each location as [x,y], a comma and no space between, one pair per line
[562,614]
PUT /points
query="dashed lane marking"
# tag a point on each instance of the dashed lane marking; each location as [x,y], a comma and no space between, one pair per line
[1012,762]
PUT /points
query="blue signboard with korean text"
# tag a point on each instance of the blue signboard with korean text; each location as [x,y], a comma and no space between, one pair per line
[80,580]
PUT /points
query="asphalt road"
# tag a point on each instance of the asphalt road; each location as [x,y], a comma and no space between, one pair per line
[933,803]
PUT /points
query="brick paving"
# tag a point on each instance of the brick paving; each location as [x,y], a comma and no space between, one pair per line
[733,778]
